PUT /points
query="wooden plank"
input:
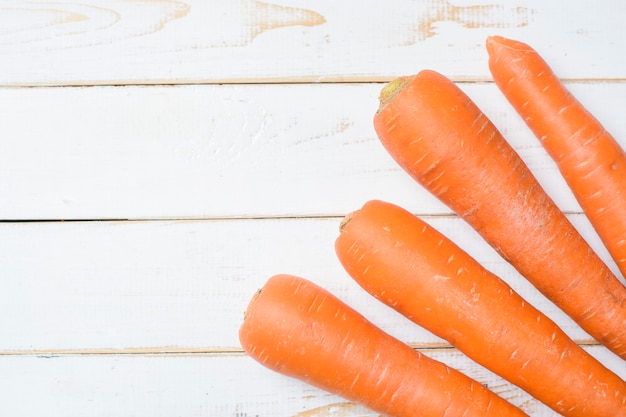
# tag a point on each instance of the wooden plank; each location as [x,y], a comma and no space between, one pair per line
[172,286]
[184,385]
[85,42]
[216,151]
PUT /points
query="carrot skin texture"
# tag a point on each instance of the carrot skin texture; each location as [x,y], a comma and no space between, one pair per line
[442,139]
[411,267]
[299,329]
[591,161]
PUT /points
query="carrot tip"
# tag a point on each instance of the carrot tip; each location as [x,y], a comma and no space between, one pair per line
[392,89]
[254,297]
[346,220]
[496,41]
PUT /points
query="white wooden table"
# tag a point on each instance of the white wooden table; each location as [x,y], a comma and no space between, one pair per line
[159,160]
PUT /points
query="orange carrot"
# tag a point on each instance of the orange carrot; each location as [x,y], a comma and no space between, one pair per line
[441,138]
[410,266]
[589,158]
[296,328]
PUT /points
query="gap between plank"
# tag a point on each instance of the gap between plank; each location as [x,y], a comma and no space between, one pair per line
[179,351]
[335,216]
[277,81]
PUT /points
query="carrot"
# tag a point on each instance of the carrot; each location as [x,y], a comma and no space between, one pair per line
[589,158]
[298,329]
[443,140]
[410,266]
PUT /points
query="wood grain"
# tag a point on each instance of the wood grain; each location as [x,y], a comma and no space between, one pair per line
[85,42]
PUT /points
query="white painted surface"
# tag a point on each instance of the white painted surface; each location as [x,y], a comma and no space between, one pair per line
[226,185]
